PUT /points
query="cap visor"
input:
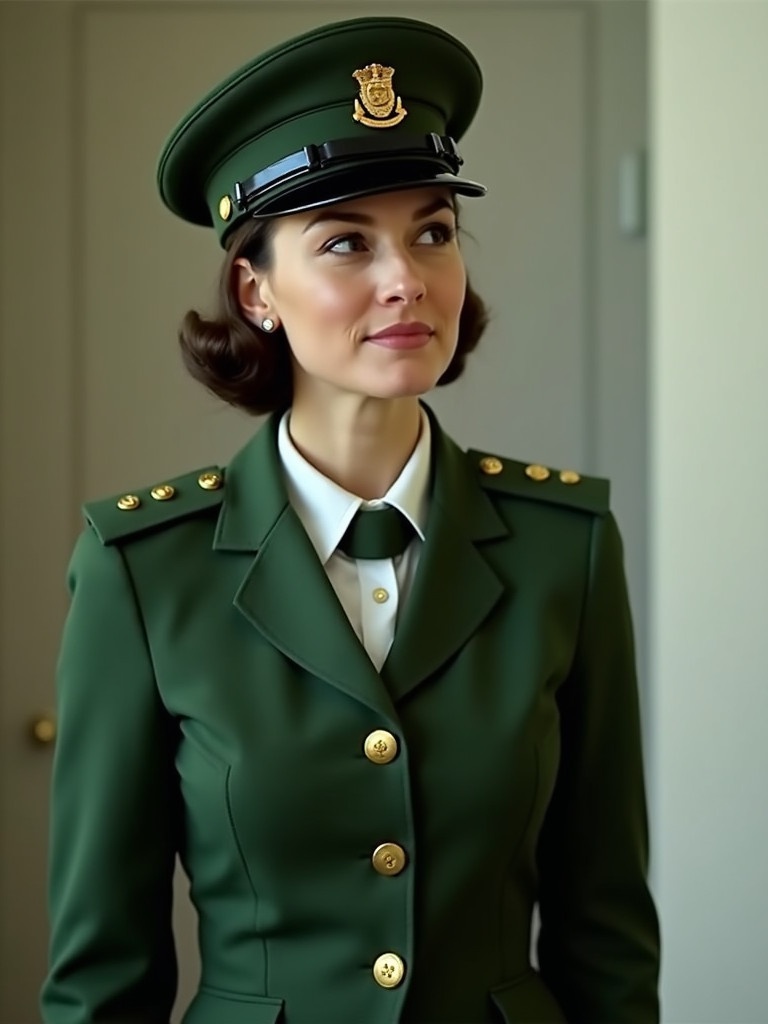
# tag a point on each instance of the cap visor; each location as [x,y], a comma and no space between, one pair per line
[355,184]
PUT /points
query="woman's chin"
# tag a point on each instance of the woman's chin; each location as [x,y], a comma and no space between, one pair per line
[405,382]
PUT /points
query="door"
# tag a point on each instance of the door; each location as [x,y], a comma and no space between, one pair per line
[95,275]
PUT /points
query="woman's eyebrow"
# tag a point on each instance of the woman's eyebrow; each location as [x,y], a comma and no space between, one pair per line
[350,217]
[440,203]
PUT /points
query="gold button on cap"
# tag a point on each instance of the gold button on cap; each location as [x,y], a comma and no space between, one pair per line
[380,595]
[570,476]
[380,747]
[389,970]
[129,502]
[210,481]
[225,207]
[538,473]
[388,859]
[164,492]
[491,465]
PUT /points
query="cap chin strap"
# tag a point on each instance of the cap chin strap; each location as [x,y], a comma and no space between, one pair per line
[315,158]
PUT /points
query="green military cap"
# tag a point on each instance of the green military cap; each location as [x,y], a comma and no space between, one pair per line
[350,109]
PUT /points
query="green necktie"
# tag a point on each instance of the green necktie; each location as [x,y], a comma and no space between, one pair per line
[377,533]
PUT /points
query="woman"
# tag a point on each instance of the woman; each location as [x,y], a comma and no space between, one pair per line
[378,693]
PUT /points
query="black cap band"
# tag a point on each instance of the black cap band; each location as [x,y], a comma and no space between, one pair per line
[440,148]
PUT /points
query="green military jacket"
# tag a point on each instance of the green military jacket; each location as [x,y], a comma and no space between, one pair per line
[361,847]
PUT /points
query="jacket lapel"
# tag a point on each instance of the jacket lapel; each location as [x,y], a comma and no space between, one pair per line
[455,588]
[286,593]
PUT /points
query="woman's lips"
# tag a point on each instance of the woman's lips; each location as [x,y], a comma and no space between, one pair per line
[402,336]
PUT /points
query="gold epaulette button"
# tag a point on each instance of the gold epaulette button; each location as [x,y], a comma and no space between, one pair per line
[129,502]
[163,492]
[491,465]
[210,481]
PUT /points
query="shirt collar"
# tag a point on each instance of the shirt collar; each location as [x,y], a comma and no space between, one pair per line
[326,509]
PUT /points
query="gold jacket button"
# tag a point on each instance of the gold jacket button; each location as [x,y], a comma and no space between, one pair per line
[570,476]
[210,481]
[129,502]
[389,970]
[380,747]
[491,465]
[537,473]
[163,492]
[388,859]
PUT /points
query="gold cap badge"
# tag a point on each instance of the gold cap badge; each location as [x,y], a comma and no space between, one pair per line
[377,98]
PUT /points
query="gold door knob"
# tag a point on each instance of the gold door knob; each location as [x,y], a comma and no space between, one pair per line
[43,729]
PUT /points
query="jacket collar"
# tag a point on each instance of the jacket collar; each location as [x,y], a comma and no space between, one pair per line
[255,495]
[455,588]
[287,596]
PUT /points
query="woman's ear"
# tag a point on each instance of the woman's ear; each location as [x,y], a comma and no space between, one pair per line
[253,294]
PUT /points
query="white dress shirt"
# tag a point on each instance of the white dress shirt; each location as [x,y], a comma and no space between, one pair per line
[371,590]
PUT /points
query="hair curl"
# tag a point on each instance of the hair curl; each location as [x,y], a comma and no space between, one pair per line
[252,370]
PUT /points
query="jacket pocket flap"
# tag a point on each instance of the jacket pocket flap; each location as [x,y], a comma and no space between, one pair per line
[527,1000]
[214,1007]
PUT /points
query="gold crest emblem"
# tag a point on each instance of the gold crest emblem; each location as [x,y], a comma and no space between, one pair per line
[377,98]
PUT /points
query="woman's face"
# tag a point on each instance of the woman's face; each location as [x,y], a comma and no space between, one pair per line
[369,292]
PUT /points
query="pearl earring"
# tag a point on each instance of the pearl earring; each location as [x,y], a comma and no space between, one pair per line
[268,325]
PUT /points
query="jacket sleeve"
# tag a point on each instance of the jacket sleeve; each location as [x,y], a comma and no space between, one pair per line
[599,941]
[113,820]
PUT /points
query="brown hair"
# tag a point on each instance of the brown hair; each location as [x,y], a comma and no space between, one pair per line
[252,370]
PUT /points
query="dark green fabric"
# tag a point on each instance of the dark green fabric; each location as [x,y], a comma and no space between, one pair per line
[377,533]
[214,700]
[303,93]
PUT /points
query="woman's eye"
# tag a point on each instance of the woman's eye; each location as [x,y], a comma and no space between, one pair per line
[346,244]
[437,234]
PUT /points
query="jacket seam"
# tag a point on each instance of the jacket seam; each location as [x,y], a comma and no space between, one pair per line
[244,865]
[142,622]
[589,577]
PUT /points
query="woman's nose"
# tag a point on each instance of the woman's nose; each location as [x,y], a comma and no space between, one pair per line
[400,281]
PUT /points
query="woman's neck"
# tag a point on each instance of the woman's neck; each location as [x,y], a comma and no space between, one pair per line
[361,444]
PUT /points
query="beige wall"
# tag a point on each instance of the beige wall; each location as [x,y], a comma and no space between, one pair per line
[709,505]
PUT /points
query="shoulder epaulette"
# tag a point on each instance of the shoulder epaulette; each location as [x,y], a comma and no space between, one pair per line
[151,508]
[541,483]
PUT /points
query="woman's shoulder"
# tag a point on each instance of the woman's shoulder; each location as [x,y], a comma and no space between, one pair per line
[533,481]
[133,513]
